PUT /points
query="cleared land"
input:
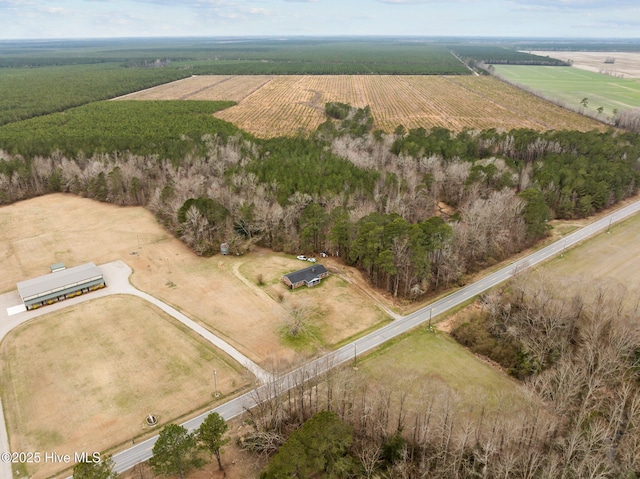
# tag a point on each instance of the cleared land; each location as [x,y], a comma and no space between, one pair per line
[284,105]
[84,379]
[63,228]
[335,310]
[430,366]
[571,85]
[610,258]
[625,63]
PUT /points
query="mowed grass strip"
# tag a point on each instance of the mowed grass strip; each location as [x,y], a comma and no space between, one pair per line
[430,364]
[84,378]
[572,85]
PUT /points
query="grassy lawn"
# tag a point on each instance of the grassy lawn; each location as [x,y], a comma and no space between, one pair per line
[430,364]
[219,292]
[571,85]
[336,309]
[612,257]
[84,378]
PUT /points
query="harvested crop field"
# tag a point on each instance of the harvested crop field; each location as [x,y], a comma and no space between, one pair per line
[284,105]
[626,64]
[84,378]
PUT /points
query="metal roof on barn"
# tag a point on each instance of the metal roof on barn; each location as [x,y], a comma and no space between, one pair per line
[306,274]
[58,281]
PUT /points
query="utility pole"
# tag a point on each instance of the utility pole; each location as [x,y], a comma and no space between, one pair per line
[355,357]
[215,384]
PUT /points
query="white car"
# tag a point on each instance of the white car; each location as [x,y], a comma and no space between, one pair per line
[302,257]
[312,260]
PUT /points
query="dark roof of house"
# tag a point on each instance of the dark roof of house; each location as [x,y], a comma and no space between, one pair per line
[306,274]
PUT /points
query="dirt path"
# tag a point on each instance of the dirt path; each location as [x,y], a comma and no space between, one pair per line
[255,289]
[354,278]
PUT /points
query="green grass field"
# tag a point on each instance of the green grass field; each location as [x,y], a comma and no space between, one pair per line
[427,364]
[609,258]
[571,85]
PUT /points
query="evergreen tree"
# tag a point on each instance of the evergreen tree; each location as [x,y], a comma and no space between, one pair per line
[90,469]
[175,452]
[211,435]
[318,449]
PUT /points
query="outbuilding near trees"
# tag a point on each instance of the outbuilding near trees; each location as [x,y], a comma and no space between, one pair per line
[310,276]
[61,284]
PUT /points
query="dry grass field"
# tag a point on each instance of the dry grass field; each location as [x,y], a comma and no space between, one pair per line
[431,366]
[284,105]
[84,378]
[92,361]
[626,63]
[611,259]
[63,228]
[337,310]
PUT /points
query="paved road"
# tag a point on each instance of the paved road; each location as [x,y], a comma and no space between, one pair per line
[143,451]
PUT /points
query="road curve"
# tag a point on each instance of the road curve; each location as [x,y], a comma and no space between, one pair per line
[143,451]
[116,275]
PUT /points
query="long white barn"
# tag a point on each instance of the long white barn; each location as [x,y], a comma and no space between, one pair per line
[61,284]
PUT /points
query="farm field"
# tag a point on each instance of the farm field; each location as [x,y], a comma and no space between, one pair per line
[63,228]
[85,378]
[571,85]
[612,259]
[431,366]
[626,63]
[285,105]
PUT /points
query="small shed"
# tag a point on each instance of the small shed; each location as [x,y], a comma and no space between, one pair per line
[309,277]
[57,267]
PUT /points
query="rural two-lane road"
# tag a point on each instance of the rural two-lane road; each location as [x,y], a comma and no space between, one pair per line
[143,451]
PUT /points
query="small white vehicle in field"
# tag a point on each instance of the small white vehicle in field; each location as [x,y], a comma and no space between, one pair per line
[311,260]
[302,257]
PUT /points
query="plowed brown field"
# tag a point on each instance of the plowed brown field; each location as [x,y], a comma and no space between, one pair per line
[284,105]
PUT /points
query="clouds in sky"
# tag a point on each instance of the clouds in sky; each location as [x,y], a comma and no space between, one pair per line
[131,18]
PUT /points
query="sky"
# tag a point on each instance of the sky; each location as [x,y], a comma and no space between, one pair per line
[24,19]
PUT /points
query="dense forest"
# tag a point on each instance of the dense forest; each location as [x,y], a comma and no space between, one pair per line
[415,210]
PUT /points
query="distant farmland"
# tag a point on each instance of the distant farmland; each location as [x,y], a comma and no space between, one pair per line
[572,85]
[283,105]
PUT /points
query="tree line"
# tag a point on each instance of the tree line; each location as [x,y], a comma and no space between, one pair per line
[579,366]
[416,210]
